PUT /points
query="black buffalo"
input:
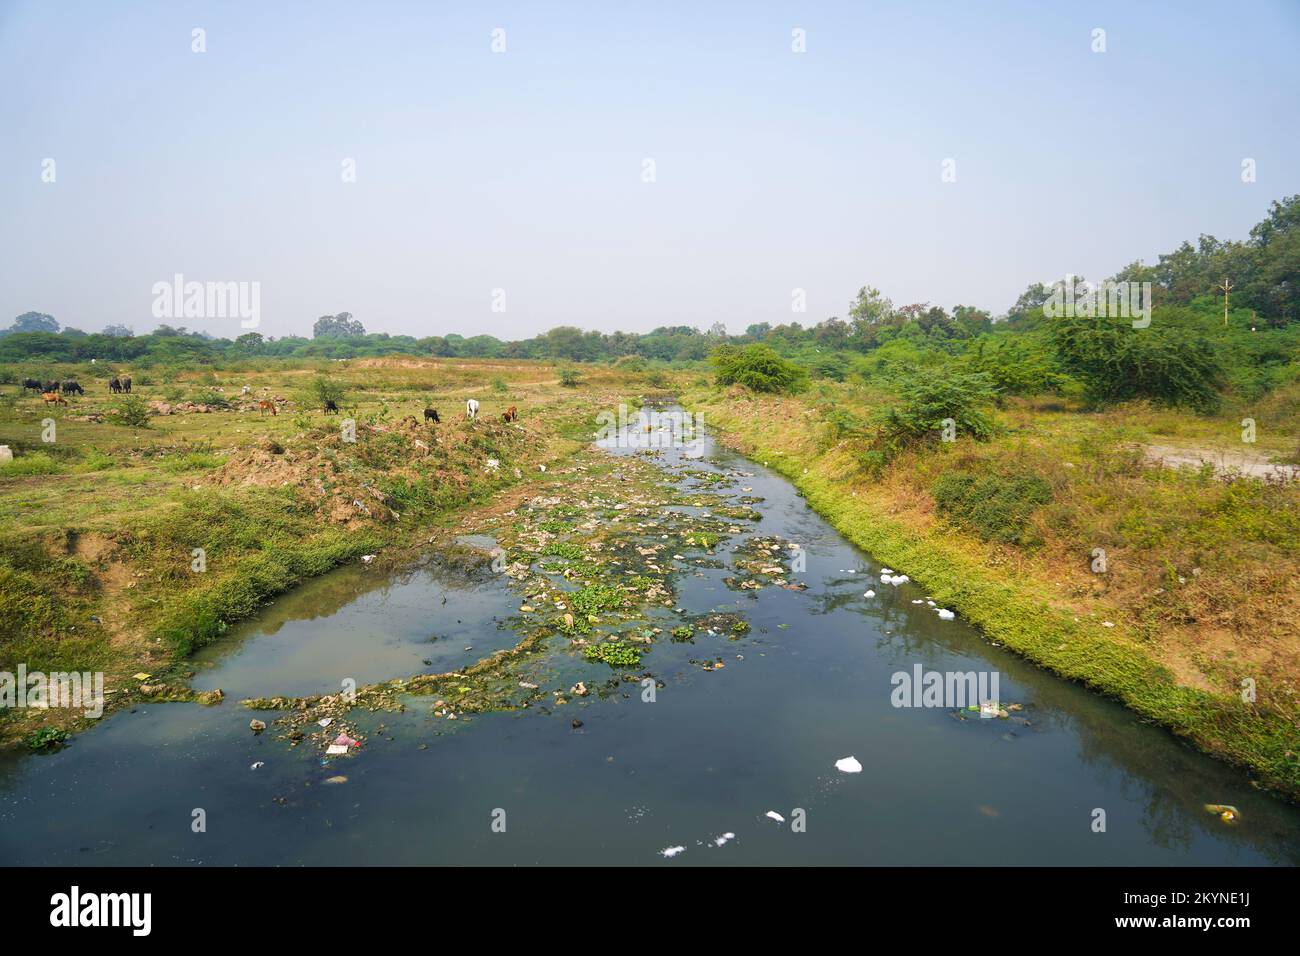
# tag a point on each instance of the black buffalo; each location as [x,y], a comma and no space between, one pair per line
[33,384]
[126,385]
[331,406]
[72,387]
[431,414]
[114,385]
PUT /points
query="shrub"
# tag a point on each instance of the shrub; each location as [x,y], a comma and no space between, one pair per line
[499,385]
[929,401]
[570,378]
[1016,365]
[211,399]
[757,367]
[322,390]
[997,507]
[131,411]
[1171,364]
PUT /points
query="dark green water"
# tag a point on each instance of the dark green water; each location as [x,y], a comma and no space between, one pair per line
[715,751]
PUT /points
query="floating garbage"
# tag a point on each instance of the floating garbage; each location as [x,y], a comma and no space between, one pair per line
[325,721]
[773,815]
[848,765]
[672,851]
[1225,812]
[256,726]
[367,558]
[724,839]
[869,594]
[341,744]
[945,614]
[334,780]
[256,765]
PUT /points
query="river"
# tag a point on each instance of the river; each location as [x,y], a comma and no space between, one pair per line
[699,767]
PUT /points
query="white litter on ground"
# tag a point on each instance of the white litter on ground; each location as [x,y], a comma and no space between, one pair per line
[672,851]
[367,558]
[848,765]
[773,815]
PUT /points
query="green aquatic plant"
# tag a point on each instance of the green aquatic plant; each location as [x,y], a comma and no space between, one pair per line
[613,653]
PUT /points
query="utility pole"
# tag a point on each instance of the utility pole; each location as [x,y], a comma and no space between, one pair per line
[1225,286]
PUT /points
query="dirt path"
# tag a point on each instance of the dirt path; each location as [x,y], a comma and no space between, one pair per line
[1225,462]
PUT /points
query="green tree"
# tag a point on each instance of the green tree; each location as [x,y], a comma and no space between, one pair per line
[337,326]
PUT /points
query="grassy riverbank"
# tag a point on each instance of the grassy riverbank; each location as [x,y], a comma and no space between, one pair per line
[1199,592]
[125,545]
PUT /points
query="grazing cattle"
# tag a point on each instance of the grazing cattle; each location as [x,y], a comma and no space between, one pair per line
[33,384]
[512,414]
[331,406]
[51,386]
[53,398]
[431,414]
[126,385]
[471,408]
[266,405]
[114,385]
[71,387]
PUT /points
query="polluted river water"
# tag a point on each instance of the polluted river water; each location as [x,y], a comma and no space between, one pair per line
[768,651]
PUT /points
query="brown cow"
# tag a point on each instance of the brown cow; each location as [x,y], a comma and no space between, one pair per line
[53,398]
[264,406]
[512,414]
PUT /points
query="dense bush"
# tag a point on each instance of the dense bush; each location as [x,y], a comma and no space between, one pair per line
[927,401]
[1172,363]
[1016,364]
[997,507]
[758,367]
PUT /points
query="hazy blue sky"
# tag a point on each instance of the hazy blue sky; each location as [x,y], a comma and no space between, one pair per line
[524,170]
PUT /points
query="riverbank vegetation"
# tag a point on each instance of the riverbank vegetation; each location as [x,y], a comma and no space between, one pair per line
[124,547]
